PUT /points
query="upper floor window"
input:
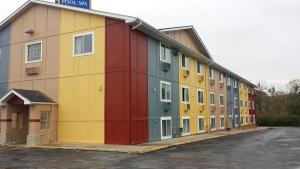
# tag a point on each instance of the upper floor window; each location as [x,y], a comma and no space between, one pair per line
[221,77]
[228,81]
[235,84]
[211,73]
[199,68]
[84,44]
[165,54]
[165,91]
[253,105]
[185,62]
[235,102]
[200,96]
[33,52]
[185,95]
[212,98]
[246,104]
[221,100]
[241,103]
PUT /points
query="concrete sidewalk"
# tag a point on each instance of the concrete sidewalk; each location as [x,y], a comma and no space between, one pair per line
[148,147]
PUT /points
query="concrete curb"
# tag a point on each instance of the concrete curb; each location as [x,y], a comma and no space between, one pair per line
[147,149]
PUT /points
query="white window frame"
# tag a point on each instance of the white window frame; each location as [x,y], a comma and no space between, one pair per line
[222,77]
[213,117]
[161,128]
[188,62]
[221,95]
[228,81]
[242,120]
[93,44]
[201,68]
[161,59]
[186,118]
[222,116]
[235,84]
[200,90]
[235,102]
[201,131]
[235,121]
[214,98]
[212,73]
[26,52]
[160,92]
[182,97]
[48,126]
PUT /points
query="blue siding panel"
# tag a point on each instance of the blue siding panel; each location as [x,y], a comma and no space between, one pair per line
[4,60]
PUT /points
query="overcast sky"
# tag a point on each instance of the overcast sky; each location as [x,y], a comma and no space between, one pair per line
[257,39]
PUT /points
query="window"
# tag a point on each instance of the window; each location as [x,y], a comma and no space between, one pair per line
[201,124]
[253,105]
[185,94]
[83,44]
[222,100]
[246,104]
[221,77]
[247,119]
[241,103]
[222,122]
[211,73]
[235,102]
[166,128]
[251,119]
[241,85]
[200,96]
[249,104]
[45,120]
[185,61]
[17,121]
[33,52]
[254,120]
[236,120]
[186,125]
[165,91]
[228,81]
[212,122]
[165,54]
[235,84]
[212,98]
[242,120]
[199,68]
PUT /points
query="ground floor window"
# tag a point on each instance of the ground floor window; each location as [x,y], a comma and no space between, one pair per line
[251,119]
[186,125]
[236,120]
[247,119]
[45,120]
[242,120]
[166,127]
[254,120]
[222,122]
[212,122]
[201,124]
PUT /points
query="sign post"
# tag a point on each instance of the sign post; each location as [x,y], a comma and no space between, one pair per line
[86,4]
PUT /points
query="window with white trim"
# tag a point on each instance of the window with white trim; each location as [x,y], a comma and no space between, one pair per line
[83,44]
[213,122]
[221,100]
[241,103]
[221,77]
[185,64]
[200,96]
[235,84]
[186,125]
[165,54]
[242,120]
[212,98]
[166,127]
[33,52]
[199,68]
[222,122]
[45,120]
[236,120]
[201,124]
[235,102]
[185,94]
[228,81]
[211,73]
[165,91]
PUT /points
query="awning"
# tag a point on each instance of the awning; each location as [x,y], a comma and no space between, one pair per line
[29,97]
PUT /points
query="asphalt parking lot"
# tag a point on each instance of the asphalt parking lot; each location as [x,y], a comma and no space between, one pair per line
[273,148]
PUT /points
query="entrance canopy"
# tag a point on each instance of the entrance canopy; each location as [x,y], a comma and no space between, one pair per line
[26,97]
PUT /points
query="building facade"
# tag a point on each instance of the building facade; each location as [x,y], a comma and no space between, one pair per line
[78,75]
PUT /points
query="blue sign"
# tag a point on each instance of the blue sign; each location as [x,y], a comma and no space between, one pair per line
[86,4]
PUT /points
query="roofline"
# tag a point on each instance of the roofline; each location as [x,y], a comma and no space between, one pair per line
[30,3]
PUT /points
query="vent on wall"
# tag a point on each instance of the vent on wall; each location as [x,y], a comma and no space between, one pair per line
[32,71]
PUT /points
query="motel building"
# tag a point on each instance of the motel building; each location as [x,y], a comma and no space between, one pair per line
[69,74]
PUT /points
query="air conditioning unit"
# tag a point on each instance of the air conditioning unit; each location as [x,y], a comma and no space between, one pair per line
[32,71]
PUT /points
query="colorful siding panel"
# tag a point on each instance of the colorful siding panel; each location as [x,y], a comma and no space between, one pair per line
[126,99]
[81,85]
[4,63]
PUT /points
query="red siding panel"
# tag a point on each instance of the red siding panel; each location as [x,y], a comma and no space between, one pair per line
[126,79]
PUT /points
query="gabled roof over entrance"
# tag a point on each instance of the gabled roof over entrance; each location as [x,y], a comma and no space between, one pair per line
[192,31]
[29,97]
